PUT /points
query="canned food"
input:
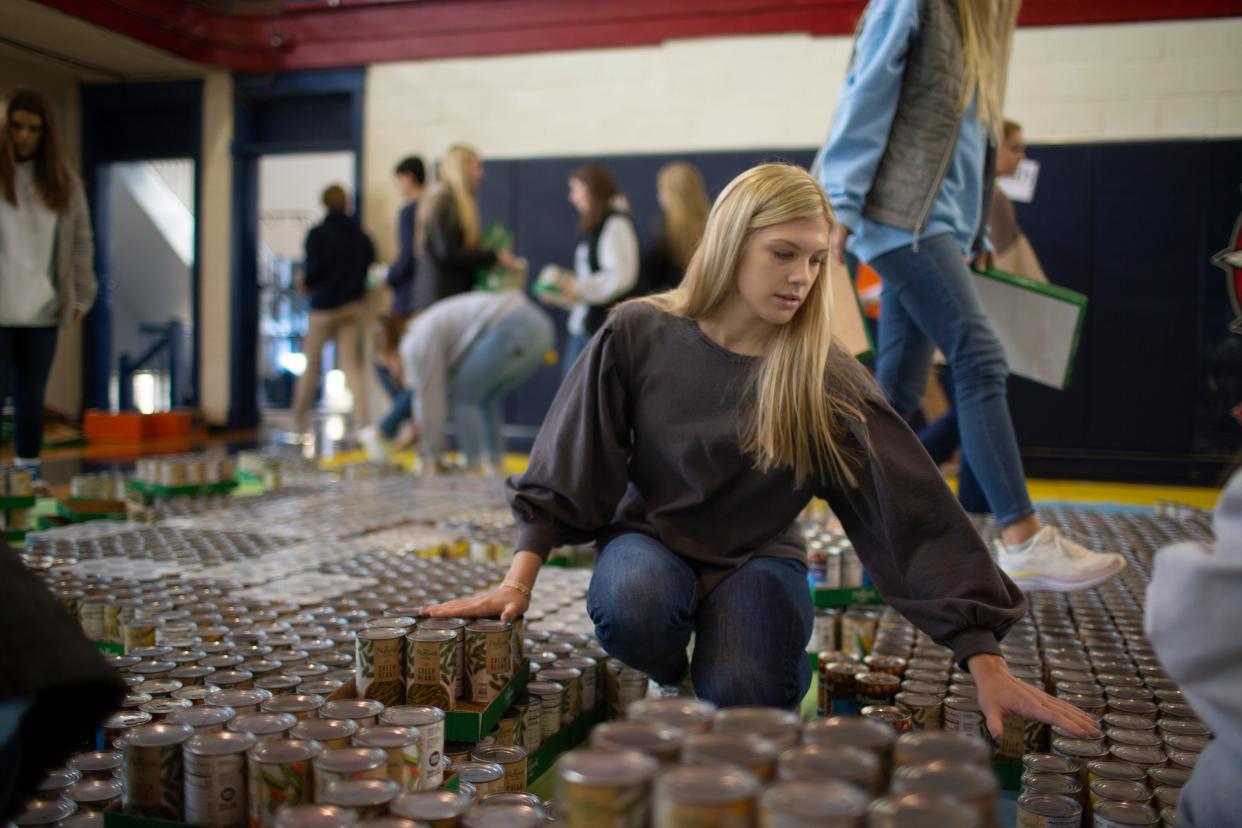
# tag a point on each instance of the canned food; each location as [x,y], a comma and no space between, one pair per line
[858,628]
[1117,790]
[569,678]
[242,701]
[963,715]
[431,664]
[816,763]
[781,727]
[1112,769]
[930,745]
[487,777]
[203,718]
[926,711]
[316,816]
[744,750]
[281,774]
[513,798]
[301,706]
[852,731]
[278,685]
[45,812]
[1056,784]
[836,684]
[364,712]
[624,686]
[688,715]
[216,779]
[368,798]
[153,770]
[264,726]
[439,809]
[96,764]
[97,794]
[804,804]
[429,722]
[489,660]
[1039,810]
[458,751]
[1125,815]
[968,784]
[610,789]
[331,733]
[916,810]
[510,758]
[898,718]
[403,746]
[338,764]
[661,742]
[549,696]
[458,627]
[705,796]
[531,708]
[1144,757]
[380,665]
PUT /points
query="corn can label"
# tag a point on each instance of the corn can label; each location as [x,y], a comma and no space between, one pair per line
[515,775]
[274,785]
[619,807]
[154,782]
[215,790]
[432,673]
[403,765]
[489,663]
[1011,745]
[379,669]
[701,815]
[137,636]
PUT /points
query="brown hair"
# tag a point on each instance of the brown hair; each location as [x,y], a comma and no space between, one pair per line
[51,176]
[1009,128]
[602,189]
[334,198]
[685,211]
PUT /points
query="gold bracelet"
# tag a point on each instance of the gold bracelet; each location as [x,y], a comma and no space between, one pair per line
[520,587]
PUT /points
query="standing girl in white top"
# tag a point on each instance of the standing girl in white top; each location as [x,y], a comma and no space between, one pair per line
[605,260]
[47,254]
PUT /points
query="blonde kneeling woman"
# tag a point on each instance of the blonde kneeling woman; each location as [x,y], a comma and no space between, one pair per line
[693,431]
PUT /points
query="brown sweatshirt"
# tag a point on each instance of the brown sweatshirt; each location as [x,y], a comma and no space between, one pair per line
[643,436]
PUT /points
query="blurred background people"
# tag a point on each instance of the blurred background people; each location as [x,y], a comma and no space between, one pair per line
[338,254]
[683,215]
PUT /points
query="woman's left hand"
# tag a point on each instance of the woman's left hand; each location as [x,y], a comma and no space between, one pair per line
[1001,694]
[984,261]
[79,314]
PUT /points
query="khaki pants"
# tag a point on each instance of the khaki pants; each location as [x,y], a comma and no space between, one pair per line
[344,325]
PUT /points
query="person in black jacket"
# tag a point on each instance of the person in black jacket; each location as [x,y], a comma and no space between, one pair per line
[448,232]
[684,206]
[338,255]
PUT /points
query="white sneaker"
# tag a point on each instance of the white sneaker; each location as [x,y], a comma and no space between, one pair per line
[374,443]
[1056,563]
[684,688]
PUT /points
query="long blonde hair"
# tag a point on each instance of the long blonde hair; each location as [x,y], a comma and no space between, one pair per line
[453,184]
[806,392]
[685,209]
[987,36]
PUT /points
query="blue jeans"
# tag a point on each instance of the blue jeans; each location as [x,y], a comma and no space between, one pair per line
[575,344]
[26,357]
[941,438]
[750,633]
[402,404]
[930,302]
[500,360]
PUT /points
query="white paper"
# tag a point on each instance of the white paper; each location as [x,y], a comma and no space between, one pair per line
[1021,185]
[1036,330]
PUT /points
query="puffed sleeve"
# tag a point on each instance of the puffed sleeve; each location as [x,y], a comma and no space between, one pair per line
[578,465]
[919,547]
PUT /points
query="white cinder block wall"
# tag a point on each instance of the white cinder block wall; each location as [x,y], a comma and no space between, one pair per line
[1081,83]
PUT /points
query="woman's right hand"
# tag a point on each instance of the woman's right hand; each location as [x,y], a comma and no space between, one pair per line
[506,602]
[507,260]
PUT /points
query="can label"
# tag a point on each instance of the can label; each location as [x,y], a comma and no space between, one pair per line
[378,670]
[137,636]
[215,790]
[966,722]
[619,807]
[274,785]
[489,664]
[571,701]
[403,765]
[552,704]
[506,730]
[1028,819]
[154,782]
[430,768]
[93,623]
[1011,745]
[700,815]
[532,725]
[586,698]
[432,667]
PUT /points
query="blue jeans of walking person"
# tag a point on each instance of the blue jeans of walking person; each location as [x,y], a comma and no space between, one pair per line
[930,302]
[750,633]
[942,437]
[500,360]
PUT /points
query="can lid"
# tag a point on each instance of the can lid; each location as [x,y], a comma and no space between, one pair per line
[476,771]
[433,636]
[429,805]
[1051,783]
[88,791]
[412,715]
[95,761]
[239,697]
[499,754]
[382,633]
[960,781]
[897,810]
[59,779]
[823,800]
[263,724]
[324,730]
[221,743]
[1112,769]
[709,786]
[157,735]
[1139,755]
[314,816]
[1119,790]
[488,625]
[504,815]
[1127,813]
[351,759]
[387,736]
[849,730]
[351,709]
[360,793]
[544,688]
[202,715]
[293,703]
[602,768]
[45,811]
[283,751]
[678,711]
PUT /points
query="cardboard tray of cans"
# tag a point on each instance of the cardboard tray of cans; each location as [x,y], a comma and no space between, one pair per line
[80,510]
[471,722]
[156,490]
[26,502]
[563,741]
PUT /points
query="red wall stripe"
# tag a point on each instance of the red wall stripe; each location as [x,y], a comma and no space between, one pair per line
[313,35]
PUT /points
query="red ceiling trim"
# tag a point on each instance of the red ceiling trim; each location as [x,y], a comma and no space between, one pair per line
[315,35]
